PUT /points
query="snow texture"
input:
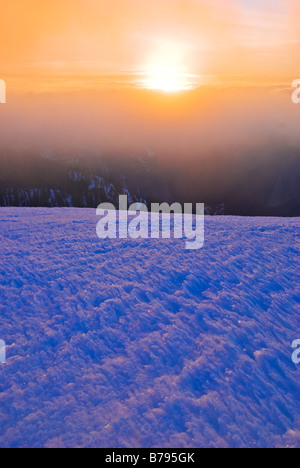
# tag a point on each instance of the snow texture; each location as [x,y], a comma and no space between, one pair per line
[123,343]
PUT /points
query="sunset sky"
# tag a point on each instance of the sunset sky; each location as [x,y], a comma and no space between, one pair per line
[167,44]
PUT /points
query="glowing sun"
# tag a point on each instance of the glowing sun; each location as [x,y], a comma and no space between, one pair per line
[166,72]
[169,81]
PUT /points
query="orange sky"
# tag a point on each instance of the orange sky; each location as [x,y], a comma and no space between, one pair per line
[75,44]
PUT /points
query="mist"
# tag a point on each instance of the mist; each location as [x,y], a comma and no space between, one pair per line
[238,148]
[190,124]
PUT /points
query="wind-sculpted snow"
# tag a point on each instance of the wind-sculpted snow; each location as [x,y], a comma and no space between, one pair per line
[123,343]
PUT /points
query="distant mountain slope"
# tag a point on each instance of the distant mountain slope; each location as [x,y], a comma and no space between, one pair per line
[286,193]
[254,184]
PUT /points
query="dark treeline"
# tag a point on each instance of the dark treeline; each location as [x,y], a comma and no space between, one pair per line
[248,186]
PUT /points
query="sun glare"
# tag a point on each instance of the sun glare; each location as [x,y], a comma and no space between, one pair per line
[166,71]
[168,81]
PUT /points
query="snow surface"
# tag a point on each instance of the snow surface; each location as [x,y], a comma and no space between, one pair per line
[142,343]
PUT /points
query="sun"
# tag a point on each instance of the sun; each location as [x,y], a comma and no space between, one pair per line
[166,70]
[167,80]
